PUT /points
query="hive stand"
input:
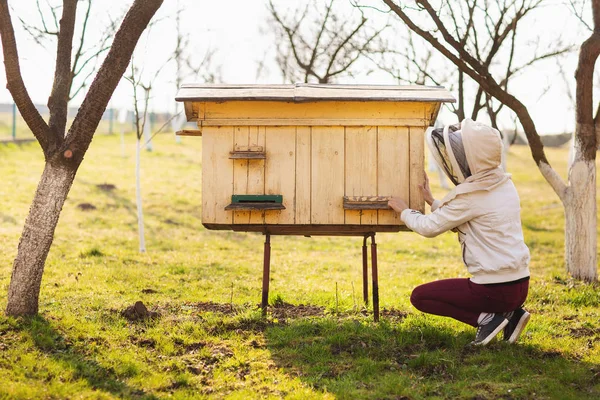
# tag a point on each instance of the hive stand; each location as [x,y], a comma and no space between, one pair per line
[365,273]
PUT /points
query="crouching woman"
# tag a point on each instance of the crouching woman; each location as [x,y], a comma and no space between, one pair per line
[484,210]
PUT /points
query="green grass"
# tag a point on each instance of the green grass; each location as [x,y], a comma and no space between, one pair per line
[81,347]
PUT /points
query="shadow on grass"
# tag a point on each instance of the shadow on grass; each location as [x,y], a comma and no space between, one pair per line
[60,349]
[413,359]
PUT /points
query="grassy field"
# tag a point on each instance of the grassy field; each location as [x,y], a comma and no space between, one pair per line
[210,340]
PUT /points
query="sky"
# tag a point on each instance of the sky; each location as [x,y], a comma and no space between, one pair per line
[238,32]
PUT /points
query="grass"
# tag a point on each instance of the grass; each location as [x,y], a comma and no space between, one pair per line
[211,341]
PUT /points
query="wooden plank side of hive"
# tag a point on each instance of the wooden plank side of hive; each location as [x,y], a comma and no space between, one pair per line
[303,186]
[323,113]
[217,175]
[327,175]
[280,171]
[417,167]
[240,173]
[361,171]
[393,168]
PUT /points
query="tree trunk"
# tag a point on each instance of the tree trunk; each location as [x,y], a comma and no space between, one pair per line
[138,198]
[580,222]
[37,236]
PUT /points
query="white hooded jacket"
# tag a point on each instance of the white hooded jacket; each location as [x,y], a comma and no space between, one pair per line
[484,209]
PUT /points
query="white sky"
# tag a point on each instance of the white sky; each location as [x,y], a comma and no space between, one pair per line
[236,29]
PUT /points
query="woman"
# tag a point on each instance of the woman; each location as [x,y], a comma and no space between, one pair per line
[484,210]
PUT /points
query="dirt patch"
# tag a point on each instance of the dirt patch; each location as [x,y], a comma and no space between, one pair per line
[194,347]
[206,364]
[86,206]
[138,312]
[145,342]
[584,331]
[283,311]
[393,313]
[149,291]
[106,187]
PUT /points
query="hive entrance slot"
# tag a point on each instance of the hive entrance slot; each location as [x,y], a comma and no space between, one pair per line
[256,202]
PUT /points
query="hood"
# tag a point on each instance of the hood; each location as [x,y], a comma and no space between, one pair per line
[465,149]
[483,146]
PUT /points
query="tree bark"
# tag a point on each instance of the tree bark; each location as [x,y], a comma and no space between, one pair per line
[580,203]
[580,222]
[37,236]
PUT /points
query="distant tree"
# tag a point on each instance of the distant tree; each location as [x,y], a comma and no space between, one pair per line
[430,21]
[63,150]
[316,44]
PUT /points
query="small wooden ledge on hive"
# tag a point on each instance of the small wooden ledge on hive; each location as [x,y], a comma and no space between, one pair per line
[189,132]
[254,206]
[248,153]
[366,203]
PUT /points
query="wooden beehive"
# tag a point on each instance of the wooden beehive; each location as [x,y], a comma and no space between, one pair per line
[310,159]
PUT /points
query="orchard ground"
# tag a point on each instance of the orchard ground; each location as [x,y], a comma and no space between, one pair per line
[210,340]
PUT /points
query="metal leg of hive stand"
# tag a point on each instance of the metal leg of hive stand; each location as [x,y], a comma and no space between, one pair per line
[266,274]
[365,272]
[375,279]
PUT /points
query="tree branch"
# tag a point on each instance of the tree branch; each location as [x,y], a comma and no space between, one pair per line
[135,22]
[16,86]
[341,46]
[470,66]
[313,56]
[59,97]
[79,52]
[584,76]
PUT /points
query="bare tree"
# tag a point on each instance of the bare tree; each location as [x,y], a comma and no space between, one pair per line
[142,130]
[315,44]
[578,195]
[63,150]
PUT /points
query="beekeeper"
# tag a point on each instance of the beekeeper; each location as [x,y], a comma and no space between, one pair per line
[484,210]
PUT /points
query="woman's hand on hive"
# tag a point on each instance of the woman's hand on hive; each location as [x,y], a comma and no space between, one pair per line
[426,190]
[397,204]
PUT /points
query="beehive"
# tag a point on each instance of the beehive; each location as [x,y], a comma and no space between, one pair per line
[310,159]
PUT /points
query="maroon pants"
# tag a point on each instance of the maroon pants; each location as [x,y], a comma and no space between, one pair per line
[464,300]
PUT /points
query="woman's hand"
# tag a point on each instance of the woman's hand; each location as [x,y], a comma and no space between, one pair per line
[397,204]
[426,190]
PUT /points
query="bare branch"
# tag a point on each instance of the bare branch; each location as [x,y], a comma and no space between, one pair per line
[313,56]
[79,51]
[577,7]
[329,46]
[16,86]
[163,126]
[135,22]
[59,97]
[341,46]
[480,74]
[584,76]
